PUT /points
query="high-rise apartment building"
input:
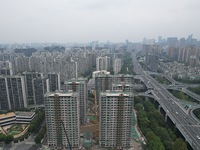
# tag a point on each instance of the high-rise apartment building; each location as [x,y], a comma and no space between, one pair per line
[39,89]
[6,68]
[117,65]
[103,63]
[54,82]
[62,114]
[12,92]
[115,119]
[80,86]
[29,76]
[104,82]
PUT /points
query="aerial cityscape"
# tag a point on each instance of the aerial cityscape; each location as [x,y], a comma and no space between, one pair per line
[101,95]
[99,75]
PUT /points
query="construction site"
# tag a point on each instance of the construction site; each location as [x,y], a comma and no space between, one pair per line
[92,125]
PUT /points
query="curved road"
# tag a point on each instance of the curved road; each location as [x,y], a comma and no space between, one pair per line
[186,124]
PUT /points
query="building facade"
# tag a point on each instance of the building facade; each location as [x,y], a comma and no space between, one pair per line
[12,92]
[54,82]
[29,77]
[62,114]
[80,86]
[115,119]
[104,82]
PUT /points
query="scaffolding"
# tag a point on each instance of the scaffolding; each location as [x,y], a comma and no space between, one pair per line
[59,124]
[120,121]
[57,120]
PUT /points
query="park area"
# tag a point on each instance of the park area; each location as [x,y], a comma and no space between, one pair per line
[14,129]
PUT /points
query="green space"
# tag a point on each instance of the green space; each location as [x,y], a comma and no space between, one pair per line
[14,129]
[161,79]
[183,96]
[186,104]
[37,122]
[153,126]
[134,134]
[187,80]
[40,135]
[195,89]
[92,118]
[35,126]
[127,67]
[197,113]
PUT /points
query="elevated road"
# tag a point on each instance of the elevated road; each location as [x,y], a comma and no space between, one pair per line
[187,125]
[186,91]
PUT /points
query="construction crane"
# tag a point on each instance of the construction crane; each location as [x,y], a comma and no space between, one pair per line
[59,123]
[70,147]
[120,121]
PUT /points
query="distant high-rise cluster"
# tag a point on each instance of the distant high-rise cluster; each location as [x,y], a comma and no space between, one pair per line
[103,63]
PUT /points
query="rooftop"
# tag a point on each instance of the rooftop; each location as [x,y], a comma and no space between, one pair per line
[119,75]
[122,84]
[71,93]
[116,93]
[7,115]
[79,80]
[24,113]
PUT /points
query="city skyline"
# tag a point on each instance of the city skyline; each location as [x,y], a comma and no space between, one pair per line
[114,20]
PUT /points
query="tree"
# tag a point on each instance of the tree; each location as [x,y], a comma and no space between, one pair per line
[179,144]
[2,137]
[154,142]
[8,139]
[138,107]
[37,139]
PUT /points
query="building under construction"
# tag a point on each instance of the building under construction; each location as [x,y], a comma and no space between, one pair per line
[115,109]
[62,120]
[104,82]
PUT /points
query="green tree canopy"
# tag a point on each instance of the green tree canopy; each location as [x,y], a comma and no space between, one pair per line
[179,144]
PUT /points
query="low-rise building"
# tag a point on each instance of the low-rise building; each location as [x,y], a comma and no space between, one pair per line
[19,117]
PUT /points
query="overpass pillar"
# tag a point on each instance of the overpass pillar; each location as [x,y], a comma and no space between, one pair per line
[165,117]
[159,108]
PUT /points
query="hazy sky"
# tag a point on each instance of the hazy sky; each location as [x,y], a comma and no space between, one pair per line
[87,20]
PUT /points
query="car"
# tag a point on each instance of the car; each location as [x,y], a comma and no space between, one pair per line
[198,137]
[176,112]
